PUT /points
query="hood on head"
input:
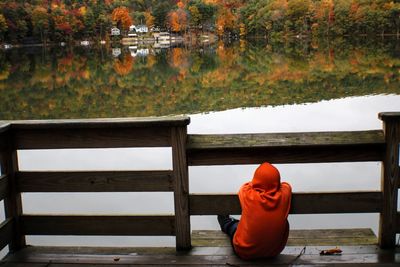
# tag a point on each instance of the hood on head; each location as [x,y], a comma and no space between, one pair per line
[266,177]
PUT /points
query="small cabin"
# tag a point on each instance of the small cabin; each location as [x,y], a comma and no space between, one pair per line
[115,31]
[139,28]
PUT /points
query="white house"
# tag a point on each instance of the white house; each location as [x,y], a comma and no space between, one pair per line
[139,28]
[115,31]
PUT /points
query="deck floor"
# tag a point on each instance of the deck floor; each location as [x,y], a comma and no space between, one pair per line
[211,248]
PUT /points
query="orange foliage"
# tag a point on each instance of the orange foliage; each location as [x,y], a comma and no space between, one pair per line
[149,19]
[65,63]
[225,20]
[177,20]
[179,58]
[180,4]
[121,15]
[125,66]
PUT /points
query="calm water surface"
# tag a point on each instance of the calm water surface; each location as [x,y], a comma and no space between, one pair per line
[239,88]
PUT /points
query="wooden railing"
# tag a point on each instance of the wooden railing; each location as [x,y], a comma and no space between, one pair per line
[194,150]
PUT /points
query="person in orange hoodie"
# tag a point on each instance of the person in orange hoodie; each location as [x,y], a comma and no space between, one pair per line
[263,229]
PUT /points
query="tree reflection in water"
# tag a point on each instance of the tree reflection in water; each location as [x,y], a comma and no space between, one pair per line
[85,83]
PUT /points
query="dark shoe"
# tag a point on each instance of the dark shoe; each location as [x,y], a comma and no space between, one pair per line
[225,221]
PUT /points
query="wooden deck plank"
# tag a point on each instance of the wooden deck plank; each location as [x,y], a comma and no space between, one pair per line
[204,260]
[324,237]
[211,255]
[95,181]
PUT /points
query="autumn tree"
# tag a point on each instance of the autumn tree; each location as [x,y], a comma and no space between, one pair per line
[40,22]
[177,20]
[121,17]
[299,14]
[160,13]
[3,26]
[201,14]
[149,18]
[325,15]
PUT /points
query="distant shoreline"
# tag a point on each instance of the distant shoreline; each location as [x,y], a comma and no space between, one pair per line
[188,39]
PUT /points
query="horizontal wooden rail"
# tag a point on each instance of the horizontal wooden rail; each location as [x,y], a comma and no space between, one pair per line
[95,181]
[4,126]
[302,203]
[3,186]
[100,133]
[6,233]
[91,138]
[97,225]
[310,147]
[114,123]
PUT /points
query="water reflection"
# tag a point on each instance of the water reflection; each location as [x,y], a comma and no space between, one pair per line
[140,81]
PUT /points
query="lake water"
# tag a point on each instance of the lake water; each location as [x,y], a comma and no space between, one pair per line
[246,87]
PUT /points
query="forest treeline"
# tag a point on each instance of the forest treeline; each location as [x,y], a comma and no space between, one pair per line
[66,20]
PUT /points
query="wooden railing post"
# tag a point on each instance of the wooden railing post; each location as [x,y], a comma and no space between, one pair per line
[13,202]
[390,179]
[181,188]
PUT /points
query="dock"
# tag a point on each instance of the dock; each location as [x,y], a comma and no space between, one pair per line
[212,248]
[200,247]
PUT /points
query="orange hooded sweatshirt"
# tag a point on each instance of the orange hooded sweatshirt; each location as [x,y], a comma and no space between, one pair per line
[263,229]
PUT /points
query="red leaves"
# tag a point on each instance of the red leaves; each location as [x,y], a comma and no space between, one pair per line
[333,251]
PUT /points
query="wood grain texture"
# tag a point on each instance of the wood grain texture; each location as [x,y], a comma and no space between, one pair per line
[390,181]
[95,181]
[315,237]
[307,139]
[285,148]
[203,256]
[97,225]
[181,192]
[114,123]
[4,140]
[4,126]
[6,233]
[4,186]
[91,138]
[387,116]
[398,223]
[302,203]
[13,202]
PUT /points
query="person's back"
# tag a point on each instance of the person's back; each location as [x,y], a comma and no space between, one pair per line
[263,228]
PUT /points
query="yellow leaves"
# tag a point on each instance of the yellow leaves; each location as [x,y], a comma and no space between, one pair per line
[85,74]
[82,10]
[4,74]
